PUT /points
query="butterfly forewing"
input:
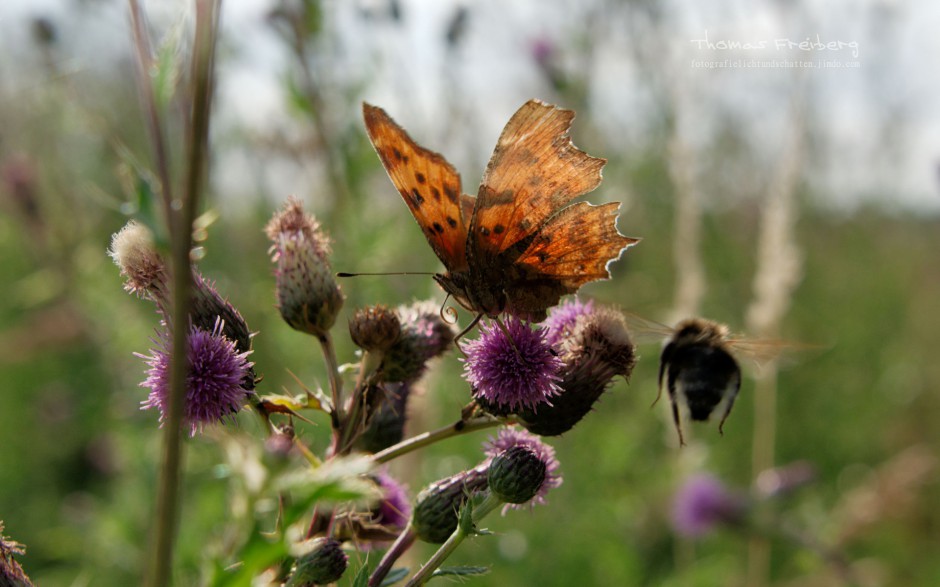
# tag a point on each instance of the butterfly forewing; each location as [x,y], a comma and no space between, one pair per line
[534,171]
[429,185]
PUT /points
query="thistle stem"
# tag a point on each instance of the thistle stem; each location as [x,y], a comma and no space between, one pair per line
[489,503]
[426,438]
[180,223]
[351,428]
[336,386]
[398,548]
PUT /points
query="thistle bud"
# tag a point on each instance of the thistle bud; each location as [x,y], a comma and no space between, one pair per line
[516,475]
[324,563]
[147,275]
[144,269]
[435,513]
[307,294]
[375,328]
[598,349]
[424,335]
[209,306]
[11,573]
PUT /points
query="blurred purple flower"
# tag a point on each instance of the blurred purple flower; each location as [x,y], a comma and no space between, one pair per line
[562,318]
[542,50]
[215,384]
[508,438]
[703,503]
[395,508]
[519,373]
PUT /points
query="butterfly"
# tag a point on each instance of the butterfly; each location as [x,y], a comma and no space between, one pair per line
[517,246]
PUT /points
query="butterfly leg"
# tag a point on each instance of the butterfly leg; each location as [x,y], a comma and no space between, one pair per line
[505,330]
[465,331]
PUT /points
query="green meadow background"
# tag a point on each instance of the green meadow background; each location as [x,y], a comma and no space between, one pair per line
[79,459]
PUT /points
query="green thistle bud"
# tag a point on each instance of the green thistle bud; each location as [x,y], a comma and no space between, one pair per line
[375,328]
[208,306]
[307,294]
[435,513]
[516,475]
[324,563]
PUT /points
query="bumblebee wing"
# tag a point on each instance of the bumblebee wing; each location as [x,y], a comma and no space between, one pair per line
[761,352]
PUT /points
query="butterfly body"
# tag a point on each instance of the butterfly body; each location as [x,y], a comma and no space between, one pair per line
[517,246]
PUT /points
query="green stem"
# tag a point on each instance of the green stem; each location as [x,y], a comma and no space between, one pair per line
[398,548]
[426,438]
[180,224]
[351,427]
[336,386]
[464,528]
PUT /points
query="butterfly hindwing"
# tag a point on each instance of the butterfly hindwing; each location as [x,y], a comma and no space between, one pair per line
[577,244]
[574,247]
[429,185]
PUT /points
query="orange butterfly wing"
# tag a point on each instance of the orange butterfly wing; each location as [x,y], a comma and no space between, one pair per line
[573,248]
[577,244]
[429,185]
[534,171]
[521,230]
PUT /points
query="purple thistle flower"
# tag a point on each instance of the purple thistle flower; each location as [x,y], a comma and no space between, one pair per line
[215,384]
[704,503]
[508,438]
[512,374]
[595,348]
[562,318]
[395,508]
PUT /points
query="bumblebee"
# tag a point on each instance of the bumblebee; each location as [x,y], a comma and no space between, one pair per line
[699,371]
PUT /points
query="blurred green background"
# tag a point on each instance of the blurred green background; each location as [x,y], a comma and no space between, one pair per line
[697,154]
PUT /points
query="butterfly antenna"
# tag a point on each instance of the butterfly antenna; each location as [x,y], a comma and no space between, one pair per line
[344,274]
